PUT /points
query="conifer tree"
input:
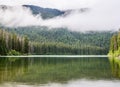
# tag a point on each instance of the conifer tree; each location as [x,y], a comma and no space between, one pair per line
[26,44]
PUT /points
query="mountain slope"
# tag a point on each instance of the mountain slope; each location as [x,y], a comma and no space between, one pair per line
[36,10]
[65,36]
[45,12]
[61,38]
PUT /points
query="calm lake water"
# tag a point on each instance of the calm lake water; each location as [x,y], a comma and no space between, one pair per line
[59,72]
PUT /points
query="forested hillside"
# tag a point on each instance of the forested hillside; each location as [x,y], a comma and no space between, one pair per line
[65,49]
[45,12]
[12,44]
[64,41]
[50,41]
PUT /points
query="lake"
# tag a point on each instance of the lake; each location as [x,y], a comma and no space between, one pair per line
[38,71]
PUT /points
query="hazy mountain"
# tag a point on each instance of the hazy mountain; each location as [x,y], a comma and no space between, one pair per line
[49,12]
[45,12]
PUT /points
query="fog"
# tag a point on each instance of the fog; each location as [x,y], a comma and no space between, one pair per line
[18,16]
[79,83]
[102,15]
[59,4]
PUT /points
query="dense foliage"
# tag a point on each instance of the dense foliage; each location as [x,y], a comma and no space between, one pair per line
[13,44]
[115,45]
[60,48]
[63,41]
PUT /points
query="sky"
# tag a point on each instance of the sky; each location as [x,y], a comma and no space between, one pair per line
[59,4]
[103,14]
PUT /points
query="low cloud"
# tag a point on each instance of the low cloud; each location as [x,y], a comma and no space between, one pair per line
[17,16]
[104,15]
[59,4]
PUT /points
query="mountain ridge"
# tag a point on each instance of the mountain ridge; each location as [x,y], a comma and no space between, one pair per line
[47,13]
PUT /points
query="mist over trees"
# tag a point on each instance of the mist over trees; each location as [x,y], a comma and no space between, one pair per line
[44,41]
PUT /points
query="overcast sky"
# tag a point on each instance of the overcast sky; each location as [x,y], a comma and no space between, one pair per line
[104,14]
[60,4]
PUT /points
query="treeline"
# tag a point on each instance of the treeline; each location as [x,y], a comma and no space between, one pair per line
[13,44]
[91,39]
[115,45]
[63,41]
[64,49]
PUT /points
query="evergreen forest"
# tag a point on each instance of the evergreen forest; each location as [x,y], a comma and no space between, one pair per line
[115,45]
[12,44]
[45,41]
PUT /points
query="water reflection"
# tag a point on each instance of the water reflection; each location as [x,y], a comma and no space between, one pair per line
[45,70]
[10,68]
[115,64]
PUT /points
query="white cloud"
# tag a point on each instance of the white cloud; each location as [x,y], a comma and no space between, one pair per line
[17,16]
[59,4]
[103,14]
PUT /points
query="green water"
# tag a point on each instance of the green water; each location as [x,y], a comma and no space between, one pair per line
[115,65]
[59,70]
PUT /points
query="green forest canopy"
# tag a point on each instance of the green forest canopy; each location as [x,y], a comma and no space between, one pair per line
[63,41]
[115,45]
[13,44]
